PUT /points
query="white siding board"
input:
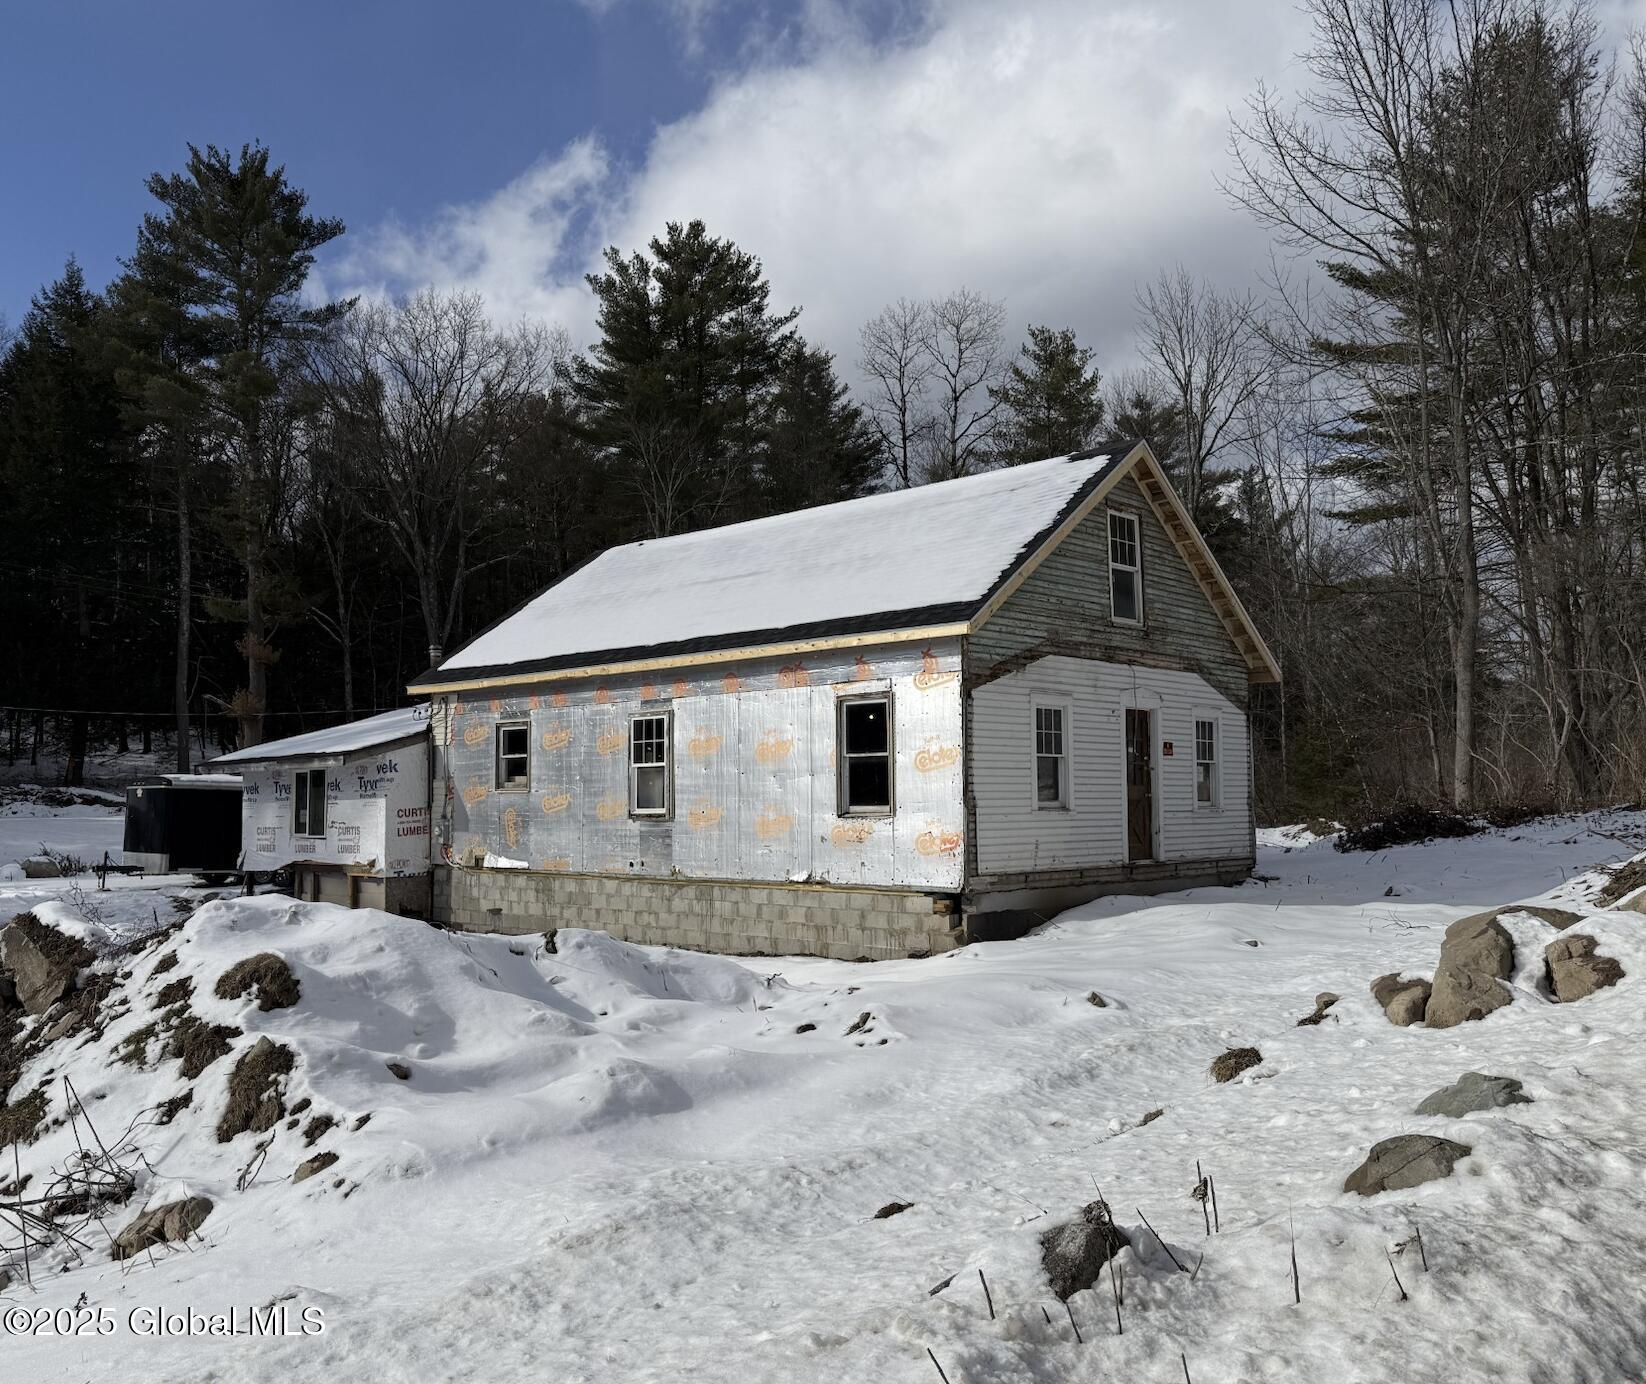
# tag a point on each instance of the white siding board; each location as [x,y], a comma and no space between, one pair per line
[1014,836]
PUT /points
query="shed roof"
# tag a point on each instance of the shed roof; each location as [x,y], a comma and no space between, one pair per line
[891,561]
[386,729]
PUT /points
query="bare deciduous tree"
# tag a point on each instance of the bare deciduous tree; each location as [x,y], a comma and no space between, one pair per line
[428,396]
[1206,347]
[894,360]
[967,354]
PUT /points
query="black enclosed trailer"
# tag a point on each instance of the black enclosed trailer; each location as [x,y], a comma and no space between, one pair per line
[184,824]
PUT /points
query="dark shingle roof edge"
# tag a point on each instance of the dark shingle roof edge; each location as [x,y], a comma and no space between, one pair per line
[882,621]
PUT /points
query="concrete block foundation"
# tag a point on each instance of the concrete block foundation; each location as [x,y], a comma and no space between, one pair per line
[726,916]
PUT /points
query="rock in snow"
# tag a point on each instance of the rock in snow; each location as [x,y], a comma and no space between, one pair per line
[1471,1092]
[1575,972]
[162,1225]
[318,1164]
[1232,1063]
[1403,999]
[1477,954]
[43,962]
[1405,1161]
[1073,1255]
[1323,1001]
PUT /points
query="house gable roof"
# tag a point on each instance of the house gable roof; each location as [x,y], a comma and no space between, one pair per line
[908,564]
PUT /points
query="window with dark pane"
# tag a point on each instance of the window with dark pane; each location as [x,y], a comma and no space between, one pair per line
[309,803]
[514,757]
[649,766]
[865,751]
[1205,763]
[1050,757]
[1125,570]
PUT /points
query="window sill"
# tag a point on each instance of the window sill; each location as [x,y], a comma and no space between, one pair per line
[860,814]
[1053,807]
[520,788]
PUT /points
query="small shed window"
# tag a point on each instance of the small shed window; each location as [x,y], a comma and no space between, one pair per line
[1125,569]
[309,803]
[1205,763]
[514,757]
[864,740]
[649,766]
[1051,757]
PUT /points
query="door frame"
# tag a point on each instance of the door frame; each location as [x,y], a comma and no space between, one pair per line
[1139,700]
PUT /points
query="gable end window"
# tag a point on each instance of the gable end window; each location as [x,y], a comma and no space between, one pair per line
[1205,764]
[649,765]
[514,757]
[309,803]
[1125,569]
[863,740]
[1051,757]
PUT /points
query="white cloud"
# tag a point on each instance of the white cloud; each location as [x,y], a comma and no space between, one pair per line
[1054,153]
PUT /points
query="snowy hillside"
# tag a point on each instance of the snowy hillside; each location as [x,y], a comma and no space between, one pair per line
[606,1162]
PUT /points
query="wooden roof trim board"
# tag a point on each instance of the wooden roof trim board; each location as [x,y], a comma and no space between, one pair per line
[1260,662]
[712,656]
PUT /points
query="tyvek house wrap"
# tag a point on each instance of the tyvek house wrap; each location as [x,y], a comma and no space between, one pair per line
[377,812]
[935,546]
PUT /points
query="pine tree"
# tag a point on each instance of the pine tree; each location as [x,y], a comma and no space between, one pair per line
[678,387]
[66,485]
[240,242]
[1050,397]
[819,448]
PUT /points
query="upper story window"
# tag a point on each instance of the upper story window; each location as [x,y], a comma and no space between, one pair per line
[309,803]
[1205,763]
[1051,757]
[1125,569]
[514,757]
[649,742]
[863,740]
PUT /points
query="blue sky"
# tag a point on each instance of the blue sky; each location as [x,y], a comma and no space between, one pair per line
[1053,154]
[378,109]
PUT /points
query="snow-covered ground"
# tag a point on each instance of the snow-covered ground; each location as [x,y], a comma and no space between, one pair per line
[613,1163]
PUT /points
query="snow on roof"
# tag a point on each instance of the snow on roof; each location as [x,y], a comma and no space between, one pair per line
[335,740]
[903,554]
[202,780]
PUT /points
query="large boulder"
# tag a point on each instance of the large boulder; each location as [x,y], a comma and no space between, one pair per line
[41,867]
[1558,918]
[1073,1255]
[1471,1092]
[42,961]
[1404,998]
[1475,956]
[162,1225]
[1575,972]
[1405,1161]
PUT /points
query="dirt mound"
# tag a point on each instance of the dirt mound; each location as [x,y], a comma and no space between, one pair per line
[268,975]
[254,1103]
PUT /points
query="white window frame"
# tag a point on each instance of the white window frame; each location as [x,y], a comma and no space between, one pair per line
[1135,567]
[302,801]
[652,814]
[1065,801]
[1211,719]
[841,758]
[509,785]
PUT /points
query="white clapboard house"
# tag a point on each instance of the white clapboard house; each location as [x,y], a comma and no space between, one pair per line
[346,809]
[866,729]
